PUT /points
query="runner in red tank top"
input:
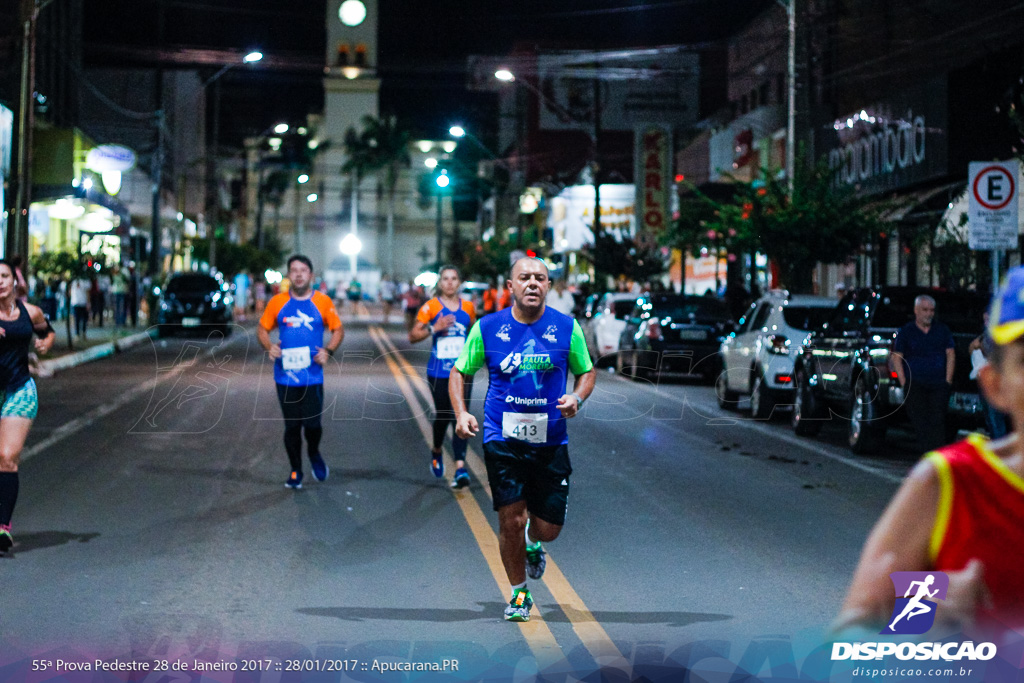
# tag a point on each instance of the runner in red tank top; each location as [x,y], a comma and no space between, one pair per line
[961,509]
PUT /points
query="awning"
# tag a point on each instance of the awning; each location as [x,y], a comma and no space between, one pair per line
[910,205]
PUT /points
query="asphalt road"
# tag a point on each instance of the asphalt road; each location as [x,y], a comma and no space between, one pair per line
[153,525]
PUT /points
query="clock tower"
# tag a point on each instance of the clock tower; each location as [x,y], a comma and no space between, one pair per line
[351,92]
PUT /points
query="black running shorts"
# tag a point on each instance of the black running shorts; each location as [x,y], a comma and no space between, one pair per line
[537,474]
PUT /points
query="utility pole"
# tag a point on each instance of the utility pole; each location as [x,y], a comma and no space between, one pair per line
[597,157]
[298,219]
[158,154]
[440,227]
[790,6]
[17,238]
[212,186]
[156,171]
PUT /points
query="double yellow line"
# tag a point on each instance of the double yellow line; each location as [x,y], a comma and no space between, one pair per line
[536,632]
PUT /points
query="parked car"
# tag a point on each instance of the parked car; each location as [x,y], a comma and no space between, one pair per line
[192,302]
[604,321]
[674,333]
[845,367]
[757,359]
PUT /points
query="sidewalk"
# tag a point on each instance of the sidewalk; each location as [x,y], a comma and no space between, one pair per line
[99,343]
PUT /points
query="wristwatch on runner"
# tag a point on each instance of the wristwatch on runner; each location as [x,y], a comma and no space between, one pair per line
[579,401]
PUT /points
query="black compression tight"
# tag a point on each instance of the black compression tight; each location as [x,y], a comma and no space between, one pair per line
[8,496]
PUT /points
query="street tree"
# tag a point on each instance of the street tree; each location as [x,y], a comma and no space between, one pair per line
[385,143]
[360,148]
[820,222]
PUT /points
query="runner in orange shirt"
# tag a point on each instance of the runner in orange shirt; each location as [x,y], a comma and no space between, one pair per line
[447,319]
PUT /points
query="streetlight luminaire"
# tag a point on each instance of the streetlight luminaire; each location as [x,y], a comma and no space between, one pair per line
[253,57]
[504,75]
[457,131]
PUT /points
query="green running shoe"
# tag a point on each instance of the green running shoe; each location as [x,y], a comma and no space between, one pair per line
[519,606]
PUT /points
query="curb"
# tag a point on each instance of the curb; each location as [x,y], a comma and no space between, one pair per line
[93,353]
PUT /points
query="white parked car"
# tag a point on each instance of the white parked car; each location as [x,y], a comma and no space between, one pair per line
[757,360]
[606,318]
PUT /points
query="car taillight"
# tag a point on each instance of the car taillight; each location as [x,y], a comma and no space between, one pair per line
[653,330]
[894,375]
[778,344]
[783,379]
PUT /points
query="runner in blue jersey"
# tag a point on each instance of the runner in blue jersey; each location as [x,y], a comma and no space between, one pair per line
[301,315]
[529,350]
[446,319]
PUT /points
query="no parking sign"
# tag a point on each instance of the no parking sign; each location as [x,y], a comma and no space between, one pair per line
[992,209]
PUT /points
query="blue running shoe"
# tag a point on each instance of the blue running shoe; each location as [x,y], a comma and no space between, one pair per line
[519,606]
[461,479]
[437,464]
[320,469]
[294,480]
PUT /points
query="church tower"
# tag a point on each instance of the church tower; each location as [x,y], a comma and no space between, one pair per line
[351,92]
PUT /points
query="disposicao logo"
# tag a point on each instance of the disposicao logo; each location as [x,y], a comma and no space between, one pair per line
[914,614]
[916,593]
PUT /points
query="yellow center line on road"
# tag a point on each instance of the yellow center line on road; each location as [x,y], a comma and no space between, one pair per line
[587,628]
[536,632]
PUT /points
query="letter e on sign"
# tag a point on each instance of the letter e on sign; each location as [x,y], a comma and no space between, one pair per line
[994,187]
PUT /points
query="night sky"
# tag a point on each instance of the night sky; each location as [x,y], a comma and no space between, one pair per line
[422,51]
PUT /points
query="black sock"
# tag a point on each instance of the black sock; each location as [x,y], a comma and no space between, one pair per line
[313,435]
[293,445]
[8,496]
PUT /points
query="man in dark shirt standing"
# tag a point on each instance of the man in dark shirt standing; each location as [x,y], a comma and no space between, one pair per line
[923,358]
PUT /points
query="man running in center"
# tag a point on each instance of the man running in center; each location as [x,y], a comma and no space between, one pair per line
[528,349]
[299,357]
[446,318]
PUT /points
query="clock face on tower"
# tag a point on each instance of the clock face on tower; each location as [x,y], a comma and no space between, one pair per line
[352,12]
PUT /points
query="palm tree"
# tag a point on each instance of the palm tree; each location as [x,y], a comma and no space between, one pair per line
[389,146]
[361,160]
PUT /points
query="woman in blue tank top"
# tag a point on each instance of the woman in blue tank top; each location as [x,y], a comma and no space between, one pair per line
[20,403]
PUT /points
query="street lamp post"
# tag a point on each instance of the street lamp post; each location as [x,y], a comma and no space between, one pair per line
[310,198]
[213,155]
[442,181]
[459,132]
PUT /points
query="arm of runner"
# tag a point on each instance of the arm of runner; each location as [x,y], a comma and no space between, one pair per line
[466,425]
[41,326]
[470,359]
[899,541]
[583,368]
[273,349]
[422,328]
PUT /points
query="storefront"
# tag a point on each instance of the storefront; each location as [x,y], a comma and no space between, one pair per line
[74,208]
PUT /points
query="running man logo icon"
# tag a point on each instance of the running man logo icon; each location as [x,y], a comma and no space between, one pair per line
[914,612]
[300,320]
